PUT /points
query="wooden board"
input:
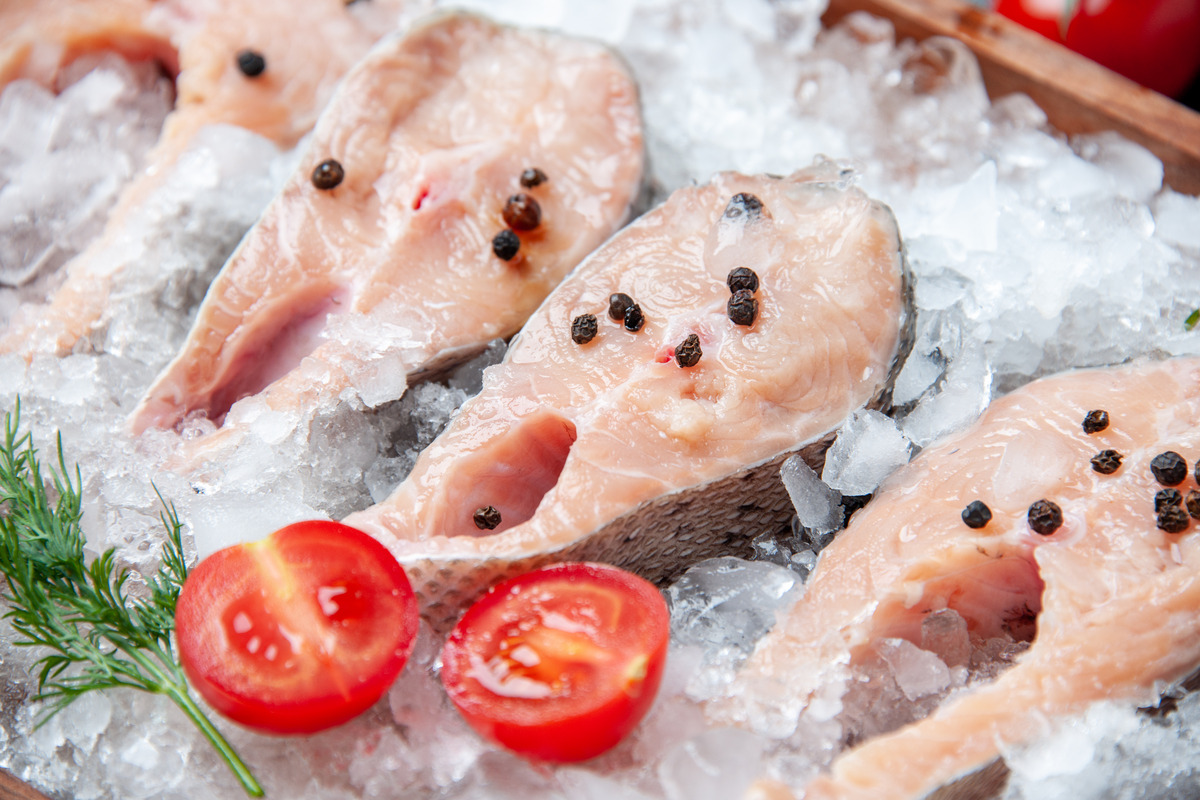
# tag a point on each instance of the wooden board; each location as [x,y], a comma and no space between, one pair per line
[1078,95]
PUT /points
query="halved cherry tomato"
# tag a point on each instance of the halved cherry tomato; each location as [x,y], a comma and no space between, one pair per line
[298,632]
[560,663]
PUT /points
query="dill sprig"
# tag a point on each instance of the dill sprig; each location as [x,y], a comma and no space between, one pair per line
[97,637]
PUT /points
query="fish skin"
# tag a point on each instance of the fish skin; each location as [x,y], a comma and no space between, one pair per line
[196,41]
[833,321]
[1119,599]
[404,242]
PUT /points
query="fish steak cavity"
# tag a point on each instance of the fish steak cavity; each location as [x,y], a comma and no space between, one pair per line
[657,440]
[1105,590]
[460,171]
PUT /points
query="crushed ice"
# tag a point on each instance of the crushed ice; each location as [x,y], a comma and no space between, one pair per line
[1032,252]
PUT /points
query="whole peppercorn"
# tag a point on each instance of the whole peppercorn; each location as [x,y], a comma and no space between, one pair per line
[328,174]
[688,353]
[742,308]
[505,244]
[251,63]
[1173,519]
[532,176]
[486,518]
[976,514]
[1166,497]
[1192,503]
[522,212]
[618,304]
[1045,517]
[583,328]
[634,319]
[1095,421]
[743,206]
[742,278]
[1106,462]
[1169,468]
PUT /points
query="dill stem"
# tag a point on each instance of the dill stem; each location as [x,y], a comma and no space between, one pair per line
[177,691]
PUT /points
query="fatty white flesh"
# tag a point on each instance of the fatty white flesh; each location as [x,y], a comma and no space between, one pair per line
[610,450]
[393,271]
[1117,599]
[197,41]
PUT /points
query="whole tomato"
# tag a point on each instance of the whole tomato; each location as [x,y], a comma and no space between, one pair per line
[1153,42]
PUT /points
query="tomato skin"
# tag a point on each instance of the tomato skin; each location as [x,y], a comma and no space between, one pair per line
[1043,16]
[299,632]
[1153,42]
[600,635]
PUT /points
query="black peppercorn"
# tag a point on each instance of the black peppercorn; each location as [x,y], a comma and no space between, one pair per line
[688,353]
[1169,468]
[1173,519]
[522,212]
[583,328]
[1045,517]
[532,176]
[486,518]
[1106,462]
[1167,497]
[251,63]
[618,304]
[976,514]
[328,174]
[742,278]
[743,205]
[1192,502]
[505,244]
[634,319]
[742,308]
[1095,421]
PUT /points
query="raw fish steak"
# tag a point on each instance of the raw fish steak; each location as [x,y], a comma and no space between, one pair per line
[1106,588]
[306,48]
[442,143]
[650,438]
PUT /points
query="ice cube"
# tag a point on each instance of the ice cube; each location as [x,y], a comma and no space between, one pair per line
[917,672]
[944,633]
[818,507]
[1177,218]
[868,448]
[717,764]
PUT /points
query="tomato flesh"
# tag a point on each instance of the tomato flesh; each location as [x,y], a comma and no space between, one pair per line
[298,632]
[561,663]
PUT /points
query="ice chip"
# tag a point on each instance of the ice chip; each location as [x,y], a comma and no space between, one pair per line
[1177,218]
[1135,172]
[715,765]
[868,448]
[817,506]
[944,633]
[917,672]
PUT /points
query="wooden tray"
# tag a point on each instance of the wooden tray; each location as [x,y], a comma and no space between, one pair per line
[1077,94]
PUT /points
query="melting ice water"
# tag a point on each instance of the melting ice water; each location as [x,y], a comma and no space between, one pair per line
[1031,253]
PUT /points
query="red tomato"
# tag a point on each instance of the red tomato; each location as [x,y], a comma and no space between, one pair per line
[1153,42]
[298,632]
[1043,16]
[560,663]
